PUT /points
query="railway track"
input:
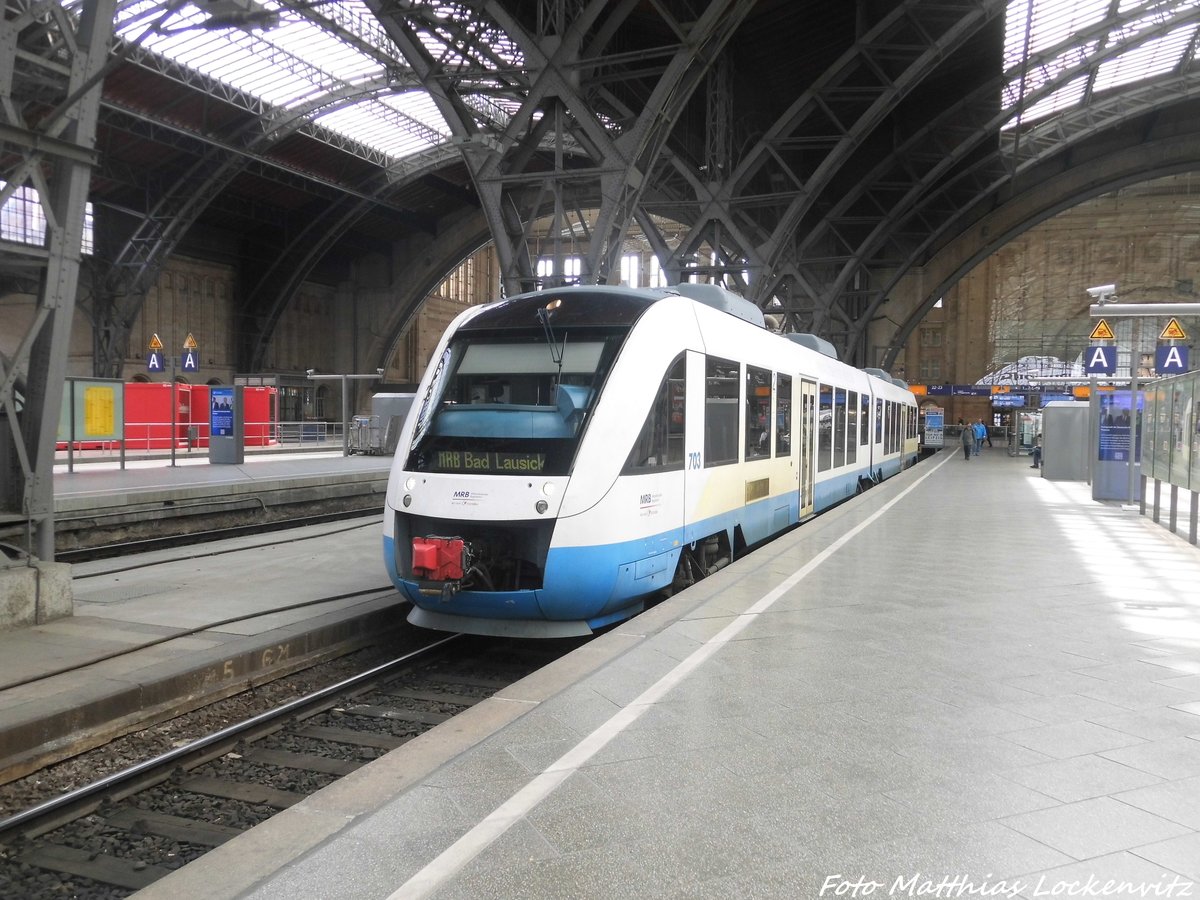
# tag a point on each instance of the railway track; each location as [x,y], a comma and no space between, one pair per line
[116,835]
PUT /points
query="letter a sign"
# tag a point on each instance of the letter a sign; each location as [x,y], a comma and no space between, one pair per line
[1171,360]
[1100,360]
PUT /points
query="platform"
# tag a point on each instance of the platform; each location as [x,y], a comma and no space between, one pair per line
[101,503]
[102,483]
[166,631]
[969,673]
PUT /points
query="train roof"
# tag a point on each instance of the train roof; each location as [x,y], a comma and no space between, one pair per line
[573,306]
[602,305]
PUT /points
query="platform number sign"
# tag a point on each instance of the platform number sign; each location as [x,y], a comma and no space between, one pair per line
[1171,358]
[1100,360]
[154,355]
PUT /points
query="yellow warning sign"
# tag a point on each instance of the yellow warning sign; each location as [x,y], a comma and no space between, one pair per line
[1102,332]
[1173,332]
[155,343]
[190,342]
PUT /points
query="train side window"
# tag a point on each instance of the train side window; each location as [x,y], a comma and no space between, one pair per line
[757,435]
[852,427]
[864,421]
[825,429]
[722,382]
[839,428]
[783,416]
[878,421]
[659,446]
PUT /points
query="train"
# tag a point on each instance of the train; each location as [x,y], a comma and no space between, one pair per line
[572,452]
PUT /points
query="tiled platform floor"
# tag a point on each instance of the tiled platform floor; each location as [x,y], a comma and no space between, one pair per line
[970,676]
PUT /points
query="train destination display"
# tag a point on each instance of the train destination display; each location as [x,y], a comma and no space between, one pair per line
[487,461]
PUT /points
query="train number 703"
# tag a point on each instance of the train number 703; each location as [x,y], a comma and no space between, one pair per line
[694,460]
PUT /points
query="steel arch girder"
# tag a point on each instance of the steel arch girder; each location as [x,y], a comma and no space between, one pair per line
[138,264]
[1041,199]
[921,65]
[943,160]
[293,265]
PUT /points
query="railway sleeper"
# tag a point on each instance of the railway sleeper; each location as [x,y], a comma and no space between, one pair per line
[175,828]
[101,867]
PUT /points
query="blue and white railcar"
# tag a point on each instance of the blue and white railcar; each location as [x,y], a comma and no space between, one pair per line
[574,451]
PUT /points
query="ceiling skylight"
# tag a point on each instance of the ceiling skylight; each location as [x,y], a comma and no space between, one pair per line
[1058,53]
[292,58]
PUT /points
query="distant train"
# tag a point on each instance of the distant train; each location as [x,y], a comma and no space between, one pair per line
[574,451]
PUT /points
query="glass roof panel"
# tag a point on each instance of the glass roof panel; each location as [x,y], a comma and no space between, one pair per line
[283,58]
[1155,57]
[1048,39]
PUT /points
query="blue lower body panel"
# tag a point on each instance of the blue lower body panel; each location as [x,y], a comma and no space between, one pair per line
[600,584]
[595,585]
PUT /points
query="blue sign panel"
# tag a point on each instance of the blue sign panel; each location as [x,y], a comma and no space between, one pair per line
[1171,359]
[1100,359]
[221,411]
[1017,400]
[191,362]
[154,361]
[1051,398]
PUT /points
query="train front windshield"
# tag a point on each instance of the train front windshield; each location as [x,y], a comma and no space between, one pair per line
[510,407]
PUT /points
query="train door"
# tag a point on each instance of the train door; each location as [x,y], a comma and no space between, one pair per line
[808,432]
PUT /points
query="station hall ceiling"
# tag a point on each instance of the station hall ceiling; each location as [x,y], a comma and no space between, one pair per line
[813,152]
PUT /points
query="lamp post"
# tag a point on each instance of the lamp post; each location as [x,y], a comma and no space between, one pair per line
[345,379]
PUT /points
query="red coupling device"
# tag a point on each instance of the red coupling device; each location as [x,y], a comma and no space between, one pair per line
[437,558]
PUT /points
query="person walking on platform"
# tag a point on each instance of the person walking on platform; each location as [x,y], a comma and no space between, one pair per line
[980,433]
[967,436]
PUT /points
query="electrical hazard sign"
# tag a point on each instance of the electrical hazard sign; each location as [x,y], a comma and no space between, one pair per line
[1102,332]
[1173,332]
[155,343]
[189,342]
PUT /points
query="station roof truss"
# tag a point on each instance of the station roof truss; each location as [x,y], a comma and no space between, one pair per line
[811,181]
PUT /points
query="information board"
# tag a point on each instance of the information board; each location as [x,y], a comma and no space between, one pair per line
[99,410]
[1116,427]
[220,418]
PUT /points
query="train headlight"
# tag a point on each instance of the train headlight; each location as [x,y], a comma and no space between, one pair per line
[548,489]
[541,506]
[410,483]
[407,500]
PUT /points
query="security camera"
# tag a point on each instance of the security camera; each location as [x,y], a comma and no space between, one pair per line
[380,371]
[1102,290]
[310,371]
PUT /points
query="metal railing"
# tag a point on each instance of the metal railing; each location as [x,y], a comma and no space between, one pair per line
[154,438]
